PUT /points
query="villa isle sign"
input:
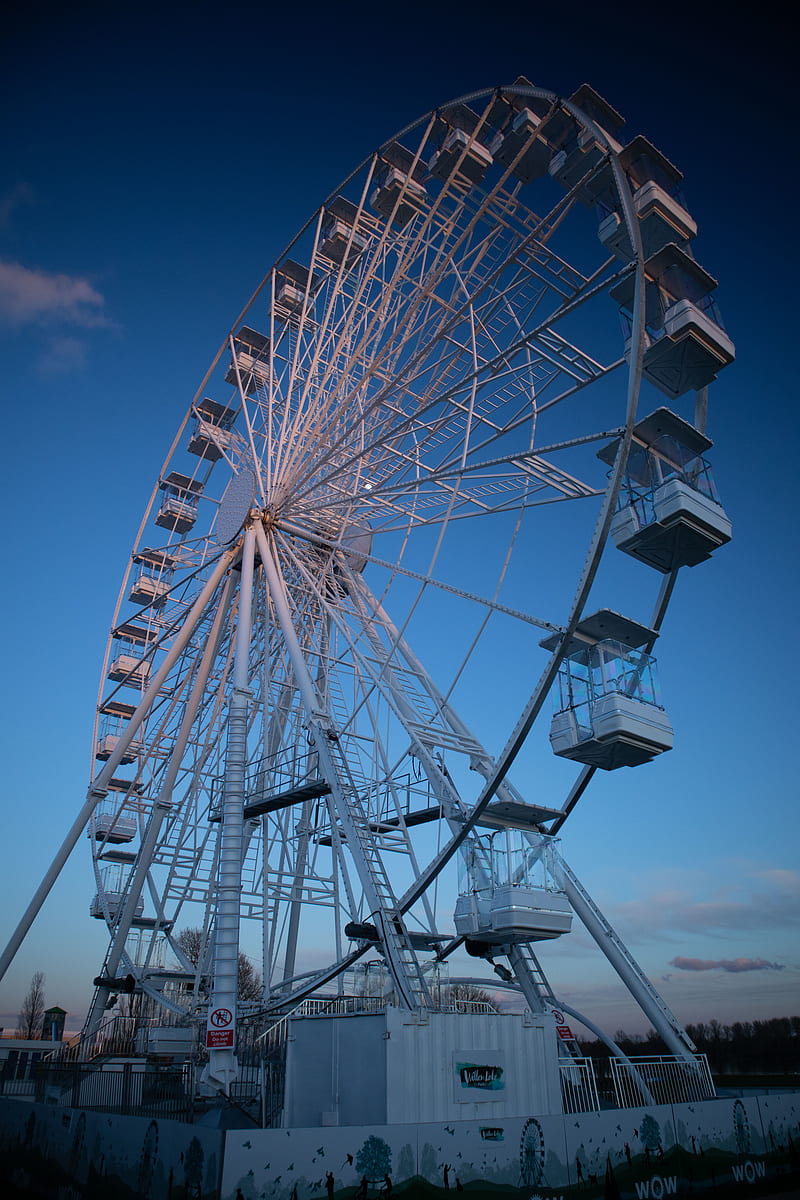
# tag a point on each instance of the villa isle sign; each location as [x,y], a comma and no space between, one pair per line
[479,1074]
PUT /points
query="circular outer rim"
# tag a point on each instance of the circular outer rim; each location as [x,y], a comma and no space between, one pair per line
[599,539]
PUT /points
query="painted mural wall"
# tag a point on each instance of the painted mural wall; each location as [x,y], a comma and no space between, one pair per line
[61,1153]
[723,1148]
[735,1147]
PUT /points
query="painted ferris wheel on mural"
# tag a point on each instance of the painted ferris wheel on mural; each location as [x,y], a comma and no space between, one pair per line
[377,586]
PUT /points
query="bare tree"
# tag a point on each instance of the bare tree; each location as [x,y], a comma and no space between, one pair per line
[32,1011]
[463,995]
[249,987]
[190,940]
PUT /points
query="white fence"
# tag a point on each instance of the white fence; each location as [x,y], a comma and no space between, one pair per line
[661,1079]
[578,1085]
[629,1083]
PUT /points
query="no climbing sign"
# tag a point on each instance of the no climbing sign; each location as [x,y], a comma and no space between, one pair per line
[562,1028]
[220,1029]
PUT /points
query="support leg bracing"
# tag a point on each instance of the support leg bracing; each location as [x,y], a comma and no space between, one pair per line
[222,1065]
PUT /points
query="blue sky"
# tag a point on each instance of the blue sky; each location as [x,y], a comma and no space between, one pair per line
[155,167]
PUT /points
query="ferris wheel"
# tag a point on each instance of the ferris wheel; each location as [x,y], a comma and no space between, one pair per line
[366,575]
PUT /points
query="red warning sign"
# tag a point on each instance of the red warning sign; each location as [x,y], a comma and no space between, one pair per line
[219,1039]
[562,1029]
[220,1029]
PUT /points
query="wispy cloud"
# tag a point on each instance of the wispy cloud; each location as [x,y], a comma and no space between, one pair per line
[62,355]
[29,296]
[13,198]
[763,900]
[725,964]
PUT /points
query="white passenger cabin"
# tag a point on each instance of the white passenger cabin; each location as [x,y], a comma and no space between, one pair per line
[399,193]
[569,166]
[129,663]
[686,347]
[510,890]
[668,514]
[114,715]
[128,667]
[344,236]
[661,220]
[178,510]
[517,146]
[661,215]
[114,818]
[463,147]
[251,350]
[583,151]
[294,290]
[211,437]
[608,710]
[109,901]
[112,824]
[152,582]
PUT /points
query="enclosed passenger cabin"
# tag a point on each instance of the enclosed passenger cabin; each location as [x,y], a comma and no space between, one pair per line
[463,147]
[211,436]
[178,509]
[608,709]
[109,901]
[295,287]
[345,234]
[251,350]
[399,193]
[114,716]
[582,151]
[656,201]
[152,581]
[112,824]
[511,890]
[686,345]
[668,513]
[129,663]
[518,144]
[114,819]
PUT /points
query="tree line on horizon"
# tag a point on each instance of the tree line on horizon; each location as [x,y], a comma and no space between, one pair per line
[743,1048]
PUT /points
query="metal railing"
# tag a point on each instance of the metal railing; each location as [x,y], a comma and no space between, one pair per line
[578,1085]
[660,1079]
[123,1088]
[119,1037]
[587,1084]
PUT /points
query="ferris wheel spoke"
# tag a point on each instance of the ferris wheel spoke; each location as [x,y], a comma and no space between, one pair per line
[429,580]
[480,760]
[335,770]
[426,340]
[562,357]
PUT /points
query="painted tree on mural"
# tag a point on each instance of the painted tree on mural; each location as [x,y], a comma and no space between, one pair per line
[405,1164]
[211,1174]
[650,1132]
[428,1162]
[193,1165]
[374,1159]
